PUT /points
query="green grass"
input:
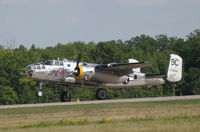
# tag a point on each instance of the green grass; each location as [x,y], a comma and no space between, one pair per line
[179,115]
[65,122]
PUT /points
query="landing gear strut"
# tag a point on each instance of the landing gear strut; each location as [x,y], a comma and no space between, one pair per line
[101,94]
[39,92]
[65,97]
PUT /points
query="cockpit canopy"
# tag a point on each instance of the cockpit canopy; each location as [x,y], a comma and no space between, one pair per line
[35,66]
[48,62]
[41,65]
[54,62]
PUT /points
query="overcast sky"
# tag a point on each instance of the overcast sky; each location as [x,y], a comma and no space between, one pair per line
[47,22]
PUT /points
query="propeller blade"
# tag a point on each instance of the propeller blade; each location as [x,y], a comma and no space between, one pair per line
[78,59]
[77,69]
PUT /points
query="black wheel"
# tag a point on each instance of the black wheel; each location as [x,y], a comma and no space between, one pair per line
[65,97]
[101,94]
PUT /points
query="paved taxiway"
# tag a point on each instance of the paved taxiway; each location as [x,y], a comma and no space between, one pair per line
[102,101]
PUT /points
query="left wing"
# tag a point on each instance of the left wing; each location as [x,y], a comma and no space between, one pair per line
[120,68]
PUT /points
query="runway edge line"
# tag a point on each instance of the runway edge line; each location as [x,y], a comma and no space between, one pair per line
[103,101]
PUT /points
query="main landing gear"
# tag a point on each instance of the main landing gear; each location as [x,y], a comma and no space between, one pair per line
[65,97]
[101,94]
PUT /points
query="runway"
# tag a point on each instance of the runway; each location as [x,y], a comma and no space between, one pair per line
[102,101]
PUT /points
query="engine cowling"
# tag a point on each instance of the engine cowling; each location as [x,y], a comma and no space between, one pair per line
[84,72]
[78,72]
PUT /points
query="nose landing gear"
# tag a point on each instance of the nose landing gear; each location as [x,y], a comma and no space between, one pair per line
[39,92]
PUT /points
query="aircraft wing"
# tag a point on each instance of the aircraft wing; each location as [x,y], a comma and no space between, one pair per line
[121,68]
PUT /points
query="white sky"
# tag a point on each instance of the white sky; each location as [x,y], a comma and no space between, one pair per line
[47,22]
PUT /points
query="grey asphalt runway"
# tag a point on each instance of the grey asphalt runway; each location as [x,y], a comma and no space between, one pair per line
[102,101]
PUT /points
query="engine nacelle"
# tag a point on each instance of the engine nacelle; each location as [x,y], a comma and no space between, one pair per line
[70,80]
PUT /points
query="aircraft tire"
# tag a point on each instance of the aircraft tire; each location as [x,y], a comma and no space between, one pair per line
[39,93]
[101,94]
[65,97]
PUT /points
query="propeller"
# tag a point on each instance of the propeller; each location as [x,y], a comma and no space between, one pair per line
[78,70]
[78,59]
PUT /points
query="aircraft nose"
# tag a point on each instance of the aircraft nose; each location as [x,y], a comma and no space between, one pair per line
[29,70]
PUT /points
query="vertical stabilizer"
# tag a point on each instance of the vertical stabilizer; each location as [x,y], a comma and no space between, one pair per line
[174,71]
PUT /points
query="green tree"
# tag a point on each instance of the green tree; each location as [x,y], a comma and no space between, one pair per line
[7,95]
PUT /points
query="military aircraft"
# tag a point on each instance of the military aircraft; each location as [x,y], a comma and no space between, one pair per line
[113,75]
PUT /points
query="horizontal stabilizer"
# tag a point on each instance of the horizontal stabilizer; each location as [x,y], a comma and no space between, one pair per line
[155,75]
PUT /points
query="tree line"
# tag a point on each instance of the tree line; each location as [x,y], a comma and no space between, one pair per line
[17,89]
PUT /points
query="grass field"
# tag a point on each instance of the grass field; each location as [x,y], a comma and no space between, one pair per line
[165,116]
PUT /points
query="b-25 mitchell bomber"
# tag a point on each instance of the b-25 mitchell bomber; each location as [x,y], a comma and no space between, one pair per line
[112,75]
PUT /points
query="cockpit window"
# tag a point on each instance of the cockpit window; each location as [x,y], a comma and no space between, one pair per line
[54,62]
[38,66]
[34,67]
[49,62]
[61,63]
[43,67]
[57,62]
